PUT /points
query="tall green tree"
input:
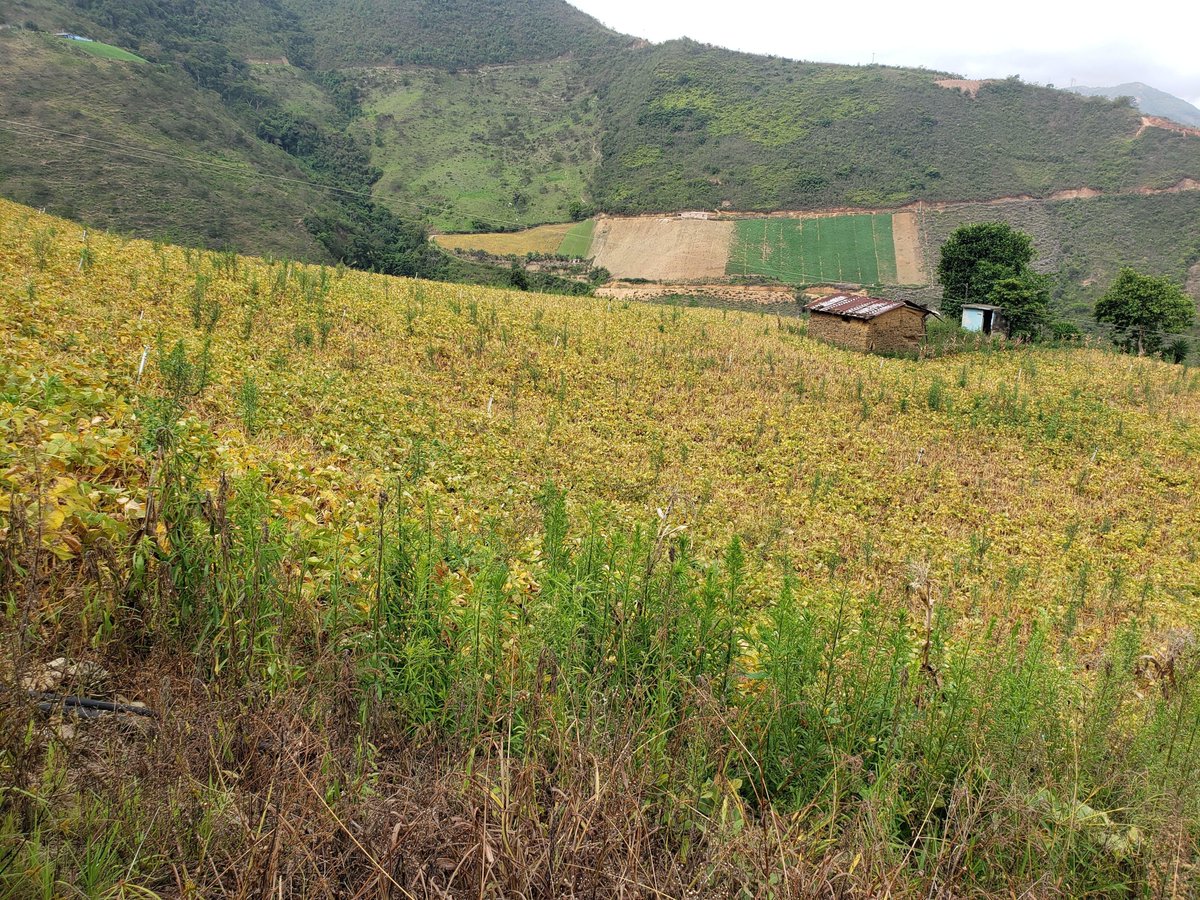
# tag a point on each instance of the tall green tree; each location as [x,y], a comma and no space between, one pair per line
[1143,309]
[1025,300]
[975,258]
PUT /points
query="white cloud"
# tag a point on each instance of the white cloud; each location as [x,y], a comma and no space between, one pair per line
[1046,42]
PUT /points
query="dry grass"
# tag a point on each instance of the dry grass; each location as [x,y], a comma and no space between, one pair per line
[542,239]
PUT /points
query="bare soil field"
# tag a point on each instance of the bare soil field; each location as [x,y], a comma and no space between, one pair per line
[662,248]
[543,239]
[906,236]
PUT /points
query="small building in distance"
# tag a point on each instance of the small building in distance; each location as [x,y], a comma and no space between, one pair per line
[985,319]
[868,323]
[74,37]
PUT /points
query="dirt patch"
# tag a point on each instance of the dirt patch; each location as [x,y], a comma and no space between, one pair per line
[1166,125]
[663,249]
[968,86]
[906,236]
[543,239]
[1185,184]
[1193,281]
[1075,194]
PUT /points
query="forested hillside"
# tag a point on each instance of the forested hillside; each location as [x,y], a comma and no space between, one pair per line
[462,34]
[106,143]
[695,126]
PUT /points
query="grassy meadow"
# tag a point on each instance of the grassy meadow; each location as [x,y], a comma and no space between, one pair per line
[855,249]
[566,239]
[447,591]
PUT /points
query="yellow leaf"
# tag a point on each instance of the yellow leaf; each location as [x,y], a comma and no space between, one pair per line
[160,535]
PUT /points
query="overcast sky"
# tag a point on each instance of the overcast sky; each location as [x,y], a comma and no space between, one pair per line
[1044,41]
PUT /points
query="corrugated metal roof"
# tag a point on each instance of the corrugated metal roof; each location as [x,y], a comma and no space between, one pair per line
[855,307]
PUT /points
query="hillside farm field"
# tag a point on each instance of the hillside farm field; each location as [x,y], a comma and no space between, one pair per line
[851,249]
[857,249]
[578,241]
[542,239]
[567,239]
[663,248]
[584,579]
[105,51]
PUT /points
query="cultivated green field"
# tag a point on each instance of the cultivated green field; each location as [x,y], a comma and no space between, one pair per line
[857,249]
[106,51]
[578,241]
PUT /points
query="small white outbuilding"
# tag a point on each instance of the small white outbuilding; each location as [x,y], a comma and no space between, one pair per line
[982,318]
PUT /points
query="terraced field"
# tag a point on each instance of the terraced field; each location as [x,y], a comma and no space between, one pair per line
[855,249]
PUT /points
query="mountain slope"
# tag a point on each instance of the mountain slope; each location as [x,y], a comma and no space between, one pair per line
[486,149]
[104,142]
[449,35]
[1151,101]
[210,40]
[695,126]
[107,141]
[405,583]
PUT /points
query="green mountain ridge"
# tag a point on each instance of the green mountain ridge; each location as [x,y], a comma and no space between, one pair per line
[756,133]
[463,34]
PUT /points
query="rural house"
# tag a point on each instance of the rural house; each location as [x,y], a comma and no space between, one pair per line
[868,323]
